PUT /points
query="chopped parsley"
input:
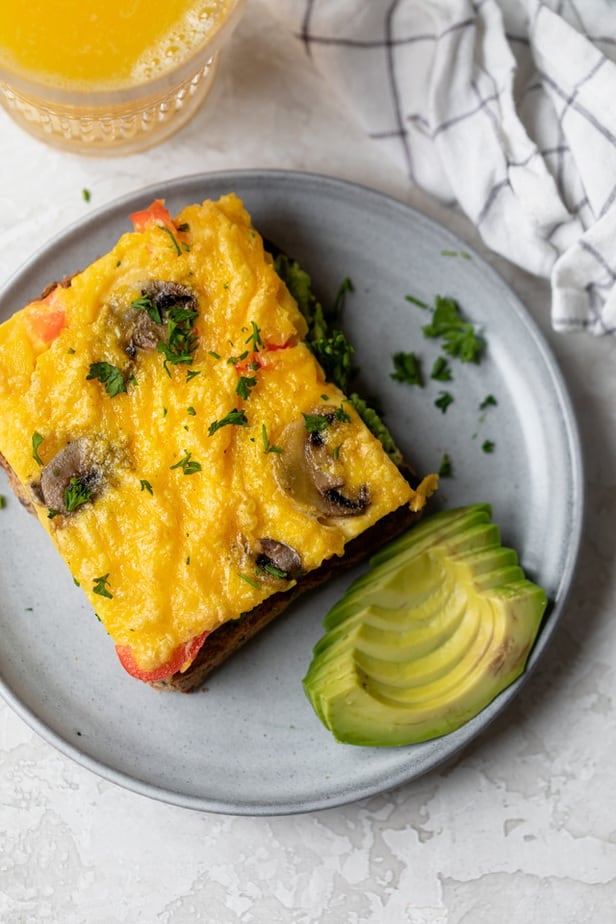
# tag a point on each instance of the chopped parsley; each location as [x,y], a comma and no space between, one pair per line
[191,411]
[315,423]
[87,195]
[146,486]
[267,446]
[2,501]
[342,415]
[181,339]
[37,439]
[245,384]
[148,305]
[255,337]
[100,586]
[176,246]
[191,373]
[460,339]
[407,369]
[445,468]
[234,418]
[248,579]
[110,376]
[187,464]
[275,572]
[487,446]
[441,371]
[416,301]
[443,401]
[75,494]
[489,401]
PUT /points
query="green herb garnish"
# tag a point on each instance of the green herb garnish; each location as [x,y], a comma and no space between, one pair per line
[459,337]
[489,401]
[345,286]
[191,411]
[342,415]
[87,195]
[407,369]
[2,501]
[315,423]
[445,468]
[188,466]
[181,339]
[416,301]
[275,572]
[255,337]
[245,384]
[100,586]
[248,579]
[168,231]
[109,375]
[234,418]
[37,439]
[191,373]
[441,371]
[444,400]
[148,305]
[75,494]
[487,446]
[267,446]
[146,486]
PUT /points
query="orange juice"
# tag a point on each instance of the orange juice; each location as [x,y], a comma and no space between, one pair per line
[67,64]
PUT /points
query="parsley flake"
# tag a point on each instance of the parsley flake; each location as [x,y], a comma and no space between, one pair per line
[441,371]
[407,369]
[267,446]
[459,337]
[100,586]
[487,446]
[2,501]
[191,411]
[245,385]
[489,401]
[37,439]
[248,579]
[443,401]
[255,337]
[416,301]
[110,376]
[315,422]
[234,418]
[445,468]
[75,494]
[187,464]
[146,486]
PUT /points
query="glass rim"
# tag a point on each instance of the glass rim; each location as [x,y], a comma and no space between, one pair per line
[95,99]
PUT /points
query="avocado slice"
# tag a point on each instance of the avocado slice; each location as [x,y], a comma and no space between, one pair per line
[441,623]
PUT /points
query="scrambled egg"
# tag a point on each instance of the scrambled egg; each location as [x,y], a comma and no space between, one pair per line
[177,437]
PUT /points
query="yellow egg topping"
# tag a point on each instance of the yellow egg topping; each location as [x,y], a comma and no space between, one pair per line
[177,437]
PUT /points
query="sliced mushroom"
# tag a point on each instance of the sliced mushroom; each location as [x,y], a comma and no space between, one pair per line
[70,479]
[310,469]
[145,331]
[277,555]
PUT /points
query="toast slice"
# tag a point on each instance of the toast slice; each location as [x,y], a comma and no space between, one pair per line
[165,418]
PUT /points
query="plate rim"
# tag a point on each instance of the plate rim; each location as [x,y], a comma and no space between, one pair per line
[476,726]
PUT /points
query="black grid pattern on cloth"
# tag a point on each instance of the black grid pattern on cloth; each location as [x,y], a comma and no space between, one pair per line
[556,156]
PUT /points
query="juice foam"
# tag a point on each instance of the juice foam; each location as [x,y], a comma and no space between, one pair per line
[89,45]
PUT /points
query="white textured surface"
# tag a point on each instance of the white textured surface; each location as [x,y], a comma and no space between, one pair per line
[520,828]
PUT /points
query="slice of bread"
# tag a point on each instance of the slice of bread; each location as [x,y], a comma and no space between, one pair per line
[163,416]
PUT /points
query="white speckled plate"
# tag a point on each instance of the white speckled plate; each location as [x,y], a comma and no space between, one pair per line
[251,744]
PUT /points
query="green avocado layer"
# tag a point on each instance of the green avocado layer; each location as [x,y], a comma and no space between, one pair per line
[441,623]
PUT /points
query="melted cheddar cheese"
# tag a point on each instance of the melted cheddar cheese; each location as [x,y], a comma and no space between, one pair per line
[192,470]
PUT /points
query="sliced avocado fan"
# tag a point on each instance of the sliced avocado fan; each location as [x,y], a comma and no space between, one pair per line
[441,623]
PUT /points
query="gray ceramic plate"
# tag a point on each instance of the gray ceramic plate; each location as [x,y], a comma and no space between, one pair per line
[251,744]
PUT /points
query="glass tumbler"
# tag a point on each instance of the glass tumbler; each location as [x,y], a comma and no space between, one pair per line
[94,112]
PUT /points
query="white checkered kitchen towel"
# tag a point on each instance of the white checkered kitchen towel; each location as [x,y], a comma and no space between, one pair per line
[507,108]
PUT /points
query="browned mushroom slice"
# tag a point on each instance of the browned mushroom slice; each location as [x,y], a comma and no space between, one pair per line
[148,318]
[310,468]
[278,559]
[70,479]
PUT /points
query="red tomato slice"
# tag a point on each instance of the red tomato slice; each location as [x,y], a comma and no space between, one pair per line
[181,658]
[47,323]
[156,213]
